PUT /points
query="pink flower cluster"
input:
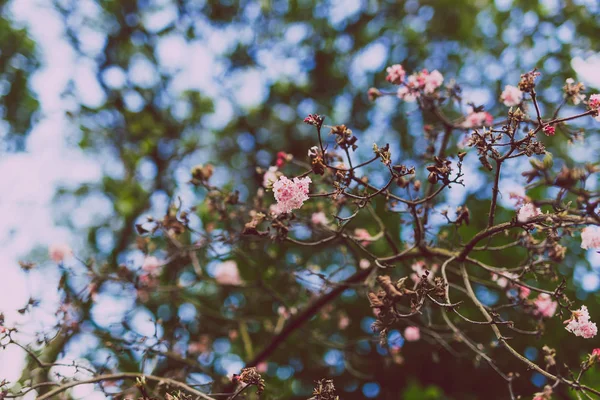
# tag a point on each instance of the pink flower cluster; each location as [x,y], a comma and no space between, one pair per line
[545,306]
[549,130]
[528,211]
[416,83]
[594,102]
[395,74]
[319,218]
[227,273]
[590,237]
[476,119]
[580,325]
[290,194]
[511,96]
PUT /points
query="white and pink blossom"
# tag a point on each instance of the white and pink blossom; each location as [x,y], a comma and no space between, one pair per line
[59,251]
[476,119]
[412,334]
[395,74]
[407,94]
[545,306]
[421,270]
[270,177]
[433,81]
[590,237]
[151,264]
[364,263]
[594,102]
[227,273]
[511,96]
[319,218]
[363,236]
[290,194]
[528,211]
[580,325]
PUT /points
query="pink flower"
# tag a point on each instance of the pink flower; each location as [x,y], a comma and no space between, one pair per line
[227,273]
[343,322]
[314,119]
[528,211]
[421,270]
[407,94]
[580,325]
[270,177]
[545,306]
[590,237]
[262,367]
[524,292]
[362,235]
[282,157]
[476,119]
[594,101]
[502,280]
[596,352]
[412,334]
[151,264]
[364,263]
[549,130]
[511,96]
[58,252]
[395,74]
[319,218]
[289,194]
[433,81]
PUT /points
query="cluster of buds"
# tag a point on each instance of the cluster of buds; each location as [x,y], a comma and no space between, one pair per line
[250,376]
[373,94]
[316,160]
[315,120]
[440,170]
[401,171]
[549,356]
[324,390]
[202,173]
[383,153]
[282,158]
[534,147]
[383,302]
[516,114]
[573,91]
[527,82]
[344,137]
[251,227]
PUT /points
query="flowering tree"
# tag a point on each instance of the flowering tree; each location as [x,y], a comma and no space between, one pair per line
[422,272]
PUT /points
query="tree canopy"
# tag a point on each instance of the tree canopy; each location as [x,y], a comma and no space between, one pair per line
[451,209]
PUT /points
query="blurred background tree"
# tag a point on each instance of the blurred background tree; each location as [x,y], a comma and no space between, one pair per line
[164,85]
